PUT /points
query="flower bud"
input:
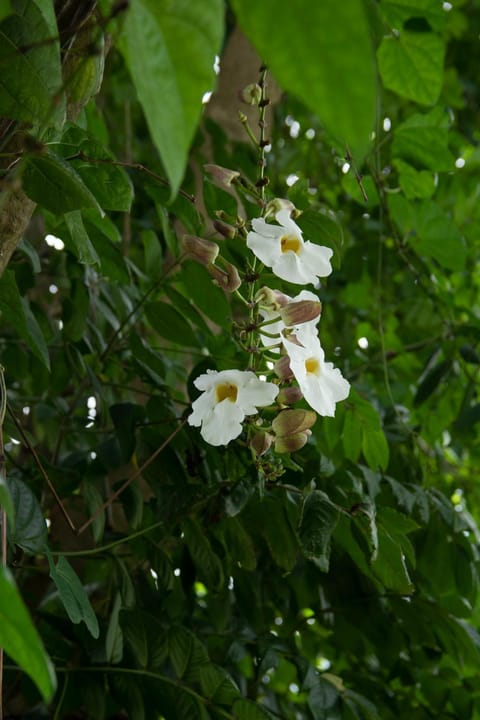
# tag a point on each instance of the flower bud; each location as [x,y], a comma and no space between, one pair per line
[251,94]
[296,313]
[224,229]
[292,422]
[228,278]
[271,299]
[204,251]
[292,443]
[277,204]
[289,395]
[282,368]
[223,177]
[261,443]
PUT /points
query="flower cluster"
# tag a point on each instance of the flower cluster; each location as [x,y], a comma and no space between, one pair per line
[288,329]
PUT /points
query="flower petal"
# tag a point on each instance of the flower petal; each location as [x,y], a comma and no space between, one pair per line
[223,424]
[256,393]
[290,266]
[317,258]
[265,247]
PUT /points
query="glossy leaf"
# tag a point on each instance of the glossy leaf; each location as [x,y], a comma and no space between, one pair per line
[20,640]
[348,116]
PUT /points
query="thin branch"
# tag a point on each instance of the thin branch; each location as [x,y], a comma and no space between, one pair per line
[132,477]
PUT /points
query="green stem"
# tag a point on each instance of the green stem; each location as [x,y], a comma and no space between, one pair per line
[114,543]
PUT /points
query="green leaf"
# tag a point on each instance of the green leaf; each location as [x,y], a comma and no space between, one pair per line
[206,296]
[326,39]
[322,699]
[319,517]
[5,8]
[438,237]
[375,449]
[422,140]
[20,640]
[393,546]
[72,594]
[80,242]
[170,49]
[109,183]
[430,380]
[187,653]
[29,530]
[170,324]
[411,64]
[248,710]
[321,229]
[6,502]
[114,638]
[30,69]
[17,312]
[352,435]
[52,183]
[217,685]
[238,543]
[398,11]
[414,183]
[208,564]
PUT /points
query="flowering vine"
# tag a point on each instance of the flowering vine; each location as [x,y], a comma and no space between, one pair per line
[286,363]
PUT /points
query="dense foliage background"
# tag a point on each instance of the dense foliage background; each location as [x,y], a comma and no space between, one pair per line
[149,574]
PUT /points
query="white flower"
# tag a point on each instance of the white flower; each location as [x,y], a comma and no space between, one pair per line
[304,330]
[283,248]
[322,384]
[228,396]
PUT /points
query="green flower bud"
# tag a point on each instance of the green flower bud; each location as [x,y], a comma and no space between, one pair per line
[277,204]
[261,443]
[251,94]
[289,395]
[292,443]
[199,249]
[296,313]
[224,229]
[228,278]
[271,299]
[223,177]
[282,368]
[292,422]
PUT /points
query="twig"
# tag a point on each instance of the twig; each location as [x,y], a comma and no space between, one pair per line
[129,480]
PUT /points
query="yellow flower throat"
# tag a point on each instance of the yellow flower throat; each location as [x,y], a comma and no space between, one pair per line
[290,242]
[226,391]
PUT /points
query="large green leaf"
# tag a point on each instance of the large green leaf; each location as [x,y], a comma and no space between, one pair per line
[170,50]
[19,638]
[319,518]
[30,70]
[16,311]
[29,531]
[206,296]
[411,64]
[170,324]
[422,140]
[208,564]
[80,243]
[325,39]
[52,183]
[73,594]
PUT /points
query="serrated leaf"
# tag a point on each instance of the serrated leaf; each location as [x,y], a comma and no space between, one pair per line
[170,324]
[337,31]
[17,312]
[411,64]
[217,685]
[169,50]
[29,530]
[72,594]
[20,640]
[52,183]
[319,517]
